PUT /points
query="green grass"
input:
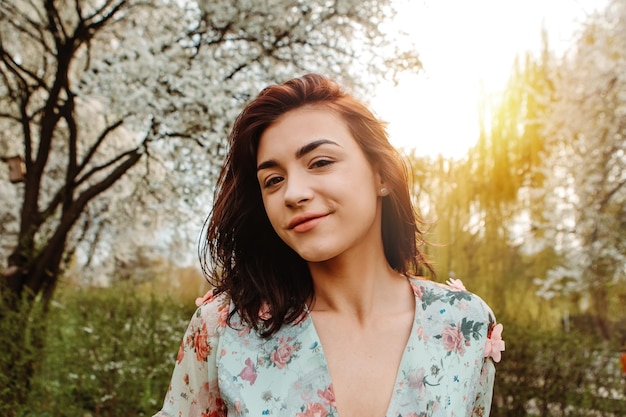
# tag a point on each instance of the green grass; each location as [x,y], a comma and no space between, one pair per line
[111,351]
[108,352]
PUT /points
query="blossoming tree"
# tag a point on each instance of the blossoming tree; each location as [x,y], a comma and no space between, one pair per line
[119,108]
[585,170]
[119,111]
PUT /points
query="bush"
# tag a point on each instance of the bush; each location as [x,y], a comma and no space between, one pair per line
[553,373]
[21,330]
[108,352]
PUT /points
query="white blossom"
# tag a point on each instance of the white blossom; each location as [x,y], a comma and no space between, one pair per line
[586,165]
[168,77]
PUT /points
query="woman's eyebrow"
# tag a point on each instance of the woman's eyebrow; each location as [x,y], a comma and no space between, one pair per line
[309,147]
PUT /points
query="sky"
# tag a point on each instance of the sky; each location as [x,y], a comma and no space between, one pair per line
[466,47]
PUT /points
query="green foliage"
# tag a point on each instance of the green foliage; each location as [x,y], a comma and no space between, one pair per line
[493,225]
[553,373]
[108,352]
[21,329]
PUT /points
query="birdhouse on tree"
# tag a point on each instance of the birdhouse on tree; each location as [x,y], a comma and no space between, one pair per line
[17,168]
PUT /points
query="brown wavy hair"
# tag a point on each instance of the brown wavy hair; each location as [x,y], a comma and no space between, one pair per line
[242,255]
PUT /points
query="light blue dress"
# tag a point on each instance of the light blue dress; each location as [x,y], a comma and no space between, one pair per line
[230,371]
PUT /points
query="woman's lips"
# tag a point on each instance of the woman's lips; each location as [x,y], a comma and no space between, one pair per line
[302,224]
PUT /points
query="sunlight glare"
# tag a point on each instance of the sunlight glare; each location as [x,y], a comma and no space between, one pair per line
[467,49]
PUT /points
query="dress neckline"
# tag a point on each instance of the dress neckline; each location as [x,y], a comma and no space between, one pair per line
[405,352]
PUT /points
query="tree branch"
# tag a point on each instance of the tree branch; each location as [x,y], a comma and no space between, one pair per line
[93,25]
[99,168]
[58,197]
[37,29]
[99,140]
[47,258]
[18,70]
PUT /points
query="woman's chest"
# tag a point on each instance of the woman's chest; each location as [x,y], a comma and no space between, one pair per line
[288,375]
[364,361]
[285,375]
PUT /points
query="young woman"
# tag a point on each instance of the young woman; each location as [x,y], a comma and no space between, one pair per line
[313,250]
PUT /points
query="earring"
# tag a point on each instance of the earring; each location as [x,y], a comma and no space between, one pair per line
[384,191]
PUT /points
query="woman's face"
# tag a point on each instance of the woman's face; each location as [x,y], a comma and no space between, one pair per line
[320,193]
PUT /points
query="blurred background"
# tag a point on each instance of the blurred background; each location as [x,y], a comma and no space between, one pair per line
[114,116]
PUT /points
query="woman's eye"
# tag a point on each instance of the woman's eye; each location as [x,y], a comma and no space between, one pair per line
[272,181]
[321,163]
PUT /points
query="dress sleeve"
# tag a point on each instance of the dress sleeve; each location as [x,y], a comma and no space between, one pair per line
[494,346]
[193,389]
[484,393]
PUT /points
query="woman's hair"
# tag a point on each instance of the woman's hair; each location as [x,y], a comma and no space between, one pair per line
[242,255]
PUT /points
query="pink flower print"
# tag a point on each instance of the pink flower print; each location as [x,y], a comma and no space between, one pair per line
[219,403]
[281,356]
[264,311]
[314,410]
[302,317]
[307,394]
[456,284]
[207,297]
[478,411]
[494,345]
[422,334]
[181,353]
[328,396]
[222,315]
[453,340]
[417,290]
[415,379]
[201,344]
[248,373]
[200,400]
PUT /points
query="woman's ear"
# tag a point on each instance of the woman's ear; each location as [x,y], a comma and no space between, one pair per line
[383,189]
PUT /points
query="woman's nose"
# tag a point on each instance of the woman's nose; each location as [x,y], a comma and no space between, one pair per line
[297,190]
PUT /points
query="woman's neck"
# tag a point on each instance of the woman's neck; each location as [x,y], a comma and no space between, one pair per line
[358,287]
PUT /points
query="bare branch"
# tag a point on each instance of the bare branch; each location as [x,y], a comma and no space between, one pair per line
[18,70]
[12,19]
[109,163]
[56,244]
[55,24]
[131,159]
[10,117]
[93,25]
[609,195]
[71,184]
[59,195]
[99,140]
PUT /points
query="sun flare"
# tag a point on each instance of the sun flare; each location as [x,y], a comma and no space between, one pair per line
[468,50]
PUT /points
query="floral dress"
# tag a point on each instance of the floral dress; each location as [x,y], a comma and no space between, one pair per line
[446,369]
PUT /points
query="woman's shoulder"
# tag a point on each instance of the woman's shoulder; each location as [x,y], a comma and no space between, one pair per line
[212,312]
[450,297]
[455,310]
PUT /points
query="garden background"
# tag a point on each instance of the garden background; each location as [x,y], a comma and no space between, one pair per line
[113,123]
